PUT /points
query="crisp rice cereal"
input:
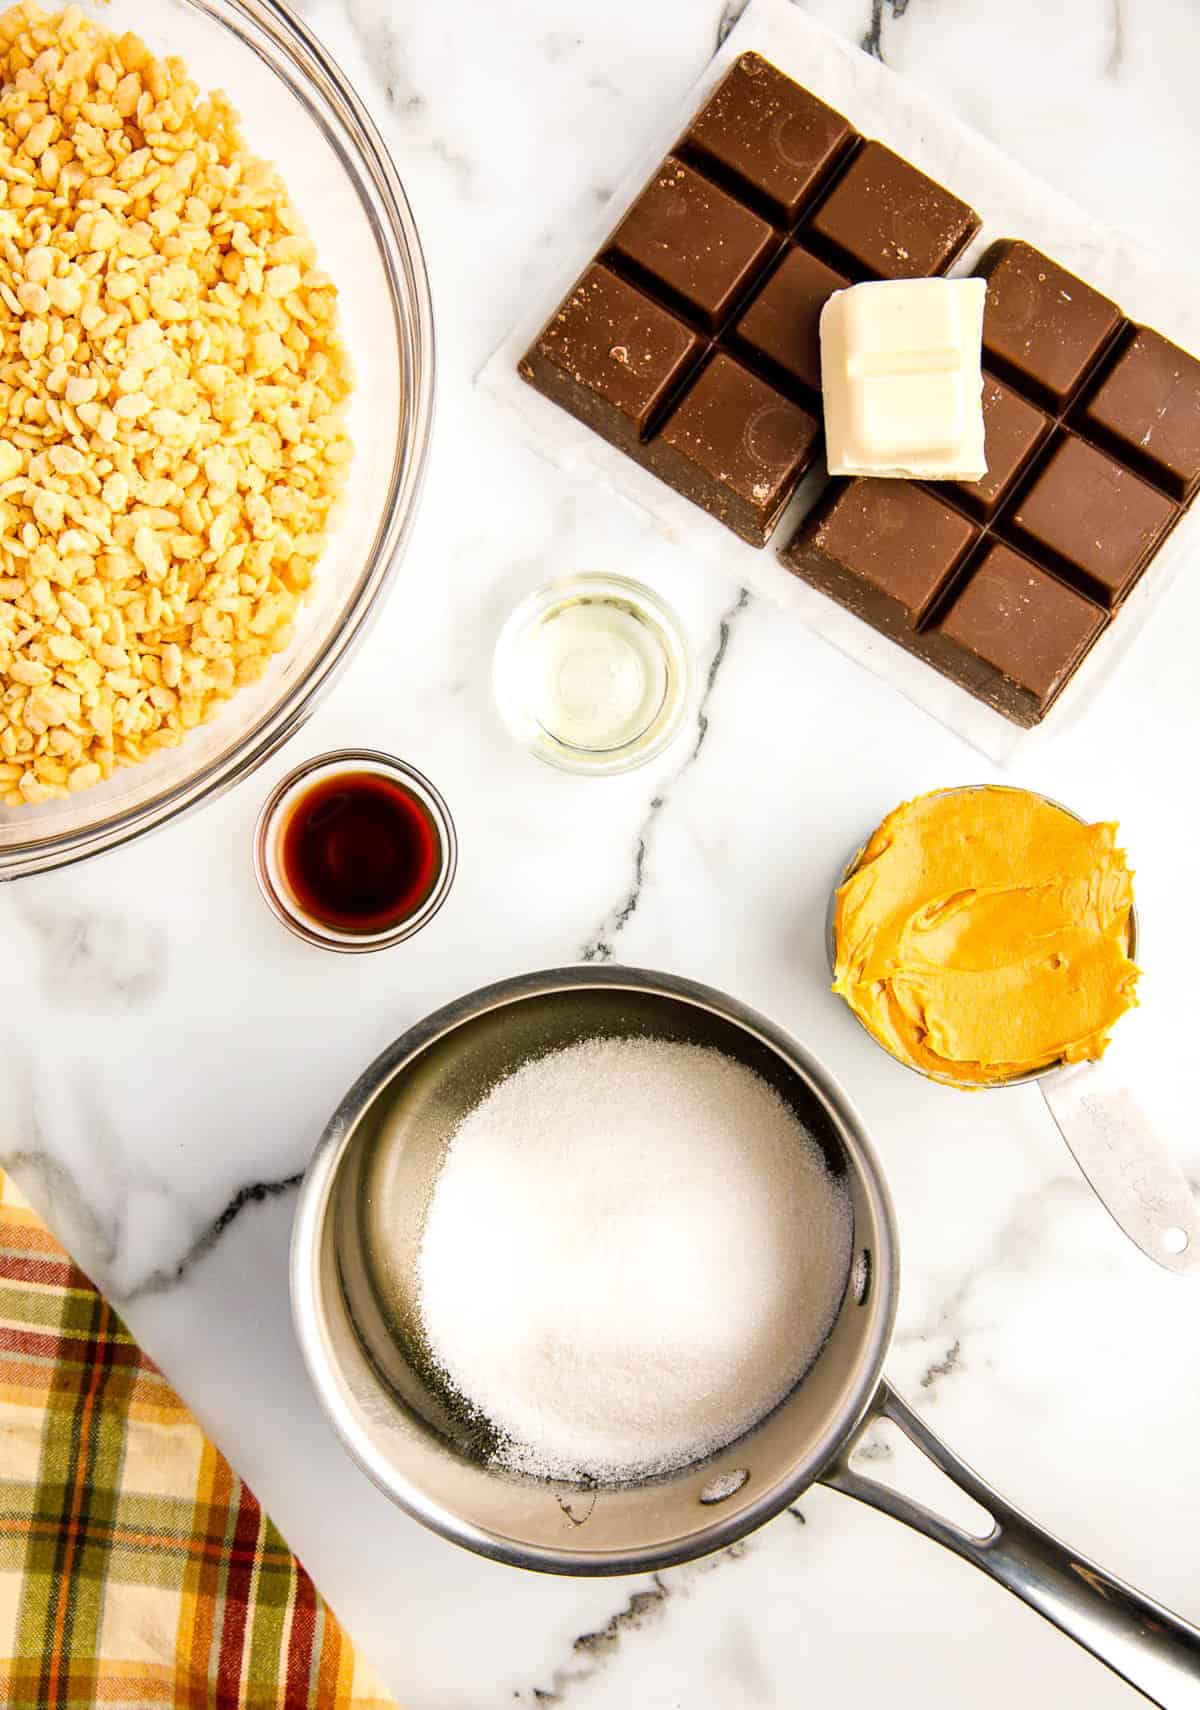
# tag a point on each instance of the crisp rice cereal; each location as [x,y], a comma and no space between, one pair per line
[172,396]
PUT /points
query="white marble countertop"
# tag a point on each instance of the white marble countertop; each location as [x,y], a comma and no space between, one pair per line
[171,1055]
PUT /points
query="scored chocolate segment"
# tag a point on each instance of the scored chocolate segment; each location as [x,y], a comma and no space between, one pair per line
[611,356]
[770,133]
[884,549]
[1092,518]
[1042,327]
[886,220]
[1014,430]
[782,323]
[691,237]
[1148,409]
[736,447]
[1013,635]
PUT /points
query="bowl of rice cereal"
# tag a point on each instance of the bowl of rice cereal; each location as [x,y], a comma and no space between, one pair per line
[211,287]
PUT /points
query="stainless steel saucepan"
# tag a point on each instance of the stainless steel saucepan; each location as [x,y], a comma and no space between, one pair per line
[358,1226]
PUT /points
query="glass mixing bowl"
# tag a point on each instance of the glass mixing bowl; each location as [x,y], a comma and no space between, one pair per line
[299,112]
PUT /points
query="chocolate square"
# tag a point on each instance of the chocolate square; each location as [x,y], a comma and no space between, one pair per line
[884,549]
[1013,634]
[1013,431]
[769,133]
[885,220]
[1147,409]
[782,324]
[611,356]
[1042,327]
[1092,518]
[690,236]
[736,447]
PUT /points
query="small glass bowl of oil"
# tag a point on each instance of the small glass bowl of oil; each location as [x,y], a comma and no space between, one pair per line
[593,674]
[355,850]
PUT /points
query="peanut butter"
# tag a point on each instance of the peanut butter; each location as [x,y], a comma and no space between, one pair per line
[984,933]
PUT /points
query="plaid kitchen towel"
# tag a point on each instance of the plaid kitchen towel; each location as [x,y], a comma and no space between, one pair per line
[136,1569]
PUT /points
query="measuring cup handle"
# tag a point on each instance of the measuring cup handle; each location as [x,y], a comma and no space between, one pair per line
[1134,1176]
[1148,1646]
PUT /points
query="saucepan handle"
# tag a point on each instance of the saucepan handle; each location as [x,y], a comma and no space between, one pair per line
[1148,1646]
[1135,1178]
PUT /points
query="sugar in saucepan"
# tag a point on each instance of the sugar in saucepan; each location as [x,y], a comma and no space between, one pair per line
[633,1251]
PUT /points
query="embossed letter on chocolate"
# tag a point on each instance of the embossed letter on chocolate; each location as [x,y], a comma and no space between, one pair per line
[768,204]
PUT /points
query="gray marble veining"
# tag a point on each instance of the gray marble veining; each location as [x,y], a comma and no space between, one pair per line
[171,1055]
[599,948]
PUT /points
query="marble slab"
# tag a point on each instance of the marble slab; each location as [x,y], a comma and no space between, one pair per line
[170,1054]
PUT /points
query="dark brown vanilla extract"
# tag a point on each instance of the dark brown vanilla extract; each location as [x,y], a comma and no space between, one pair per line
[360,852]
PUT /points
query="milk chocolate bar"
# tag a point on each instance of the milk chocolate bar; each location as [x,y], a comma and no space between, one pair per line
[1093,441]
[691,343]
[691,340]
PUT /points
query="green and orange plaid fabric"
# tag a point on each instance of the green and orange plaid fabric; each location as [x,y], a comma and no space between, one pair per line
[136,1569]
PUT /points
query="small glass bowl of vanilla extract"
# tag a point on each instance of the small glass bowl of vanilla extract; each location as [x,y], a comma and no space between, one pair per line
[355,850]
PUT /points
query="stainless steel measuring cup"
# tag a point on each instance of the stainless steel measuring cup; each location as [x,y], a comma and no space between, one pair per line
[353,1276]
[1095,1110]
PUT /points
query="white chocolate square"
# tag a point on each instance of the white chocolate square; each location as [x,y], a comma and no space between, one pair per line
[902,379]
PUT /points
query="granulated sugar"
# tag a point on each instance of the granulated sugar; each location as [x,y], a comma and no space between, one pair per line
[632,1252]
